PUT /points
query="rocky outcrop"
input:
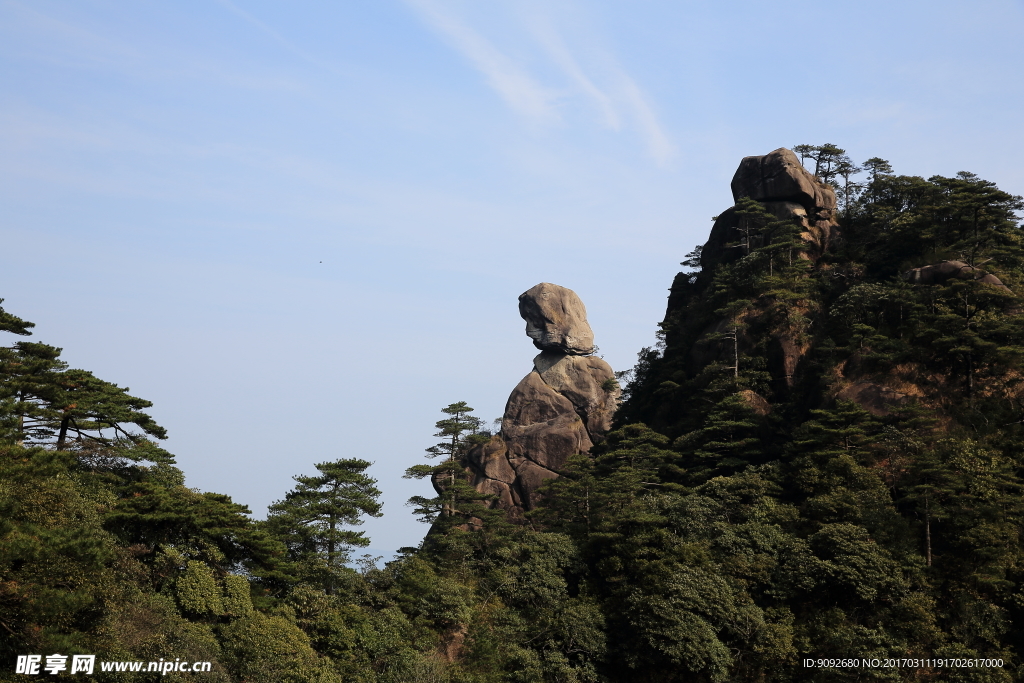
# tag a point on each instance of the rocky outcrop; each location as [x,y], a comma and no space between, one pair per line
[756,402]
[788,191]
[561,408]
[940,273]
[542,425]
[779,176]
[556,320]
[586,381]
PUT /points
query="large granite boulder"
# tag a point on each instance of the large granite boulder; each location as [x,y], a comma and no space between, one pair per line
[940,273]
[789,192]
[779,176]
[556,319]
[588,382]
[561,408]
[542,425]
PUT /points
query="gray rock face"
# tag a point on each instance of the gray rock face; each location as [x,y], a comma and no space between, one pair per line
[787,190]
[542,425]
[561,408]
[779,176]
[556,319]
[587,382]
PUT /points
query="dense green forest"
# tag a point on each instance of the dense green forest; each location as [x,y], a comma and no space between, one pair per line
[823,457]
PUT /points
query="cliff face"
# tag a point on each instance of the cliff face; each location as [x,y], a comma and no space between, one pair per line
[852,382]
[561,408]
[787,194]
[822,460]
[789,309]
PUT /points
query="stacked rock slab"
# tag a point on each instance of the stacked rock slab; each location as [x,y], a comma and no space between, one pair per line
[561,408]
[780,182]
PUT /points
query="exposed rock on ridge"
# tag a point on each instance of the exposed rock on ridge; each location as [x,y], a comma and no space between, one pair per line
[787,190]
[562,407]
[779,176]
[875,398]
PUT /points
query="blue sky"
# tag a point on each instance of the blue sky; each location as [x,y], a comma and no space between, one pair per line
[300,228]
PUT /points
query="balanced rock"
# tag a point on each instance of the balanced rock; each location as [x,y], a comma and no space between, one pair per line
[560,409]
[556,319]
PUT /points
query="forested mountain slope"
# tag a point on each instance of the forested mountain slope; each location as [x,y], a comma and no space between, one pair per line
[844,424]
[822,459]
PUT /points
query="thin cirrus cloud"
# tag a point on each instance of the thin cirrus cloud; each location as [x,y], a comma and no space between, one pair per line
[526,94]
[543,30]
[519,90]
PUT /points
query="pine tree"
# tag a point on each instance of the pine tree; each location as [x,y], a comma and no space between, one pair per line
[729,440]
[848,190]
[828,159]
[830,466]
[43,402]
[457,503]
[312,518]
[14,324]
[876,166]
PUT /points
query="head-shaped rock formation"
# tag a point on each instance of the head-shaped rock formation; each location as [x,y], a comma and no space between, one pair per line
[556,320]
[561,408]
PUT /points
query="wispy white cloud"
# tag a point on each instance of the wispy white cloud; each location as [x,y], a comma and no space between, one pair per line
[59,41]
[589,70]
[512,82]
[544,31]
[658,143]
